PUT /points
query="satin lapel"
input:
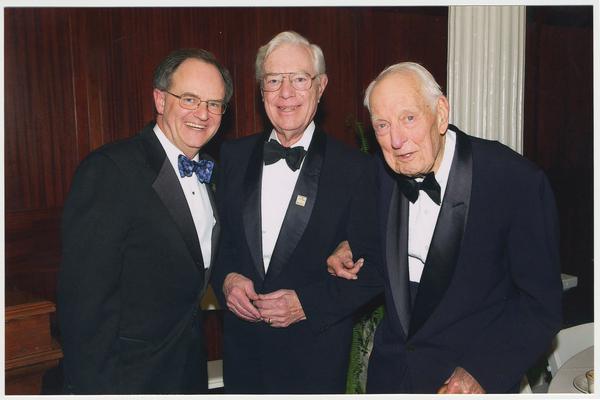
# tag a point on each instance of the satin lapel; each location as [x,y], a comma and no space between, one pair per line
[300,207]
[167,187]
[251,213]
[397,255]
[447,236]
[214,238]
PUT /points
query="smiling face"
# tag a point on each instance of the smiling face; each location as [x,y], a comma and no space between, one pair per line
[189,130]
[290,110]
[409,131]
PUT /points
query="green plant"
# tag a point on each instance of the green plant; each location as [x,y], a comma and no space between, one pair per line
[364,327]
[359,130]
[362,344]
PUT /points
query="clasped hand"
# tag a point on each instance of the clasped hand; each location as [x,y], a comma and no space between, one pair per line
[279,309]
[341,264]
[461,382]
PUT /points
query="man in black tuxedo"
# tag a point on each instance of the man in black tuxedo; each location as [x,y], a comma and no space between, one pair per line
[470,246]
[139,234]
[287,197]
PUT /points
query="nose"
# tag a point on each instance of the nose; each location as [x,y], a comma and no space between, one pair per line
[202,111]
[398,138]
[286,90]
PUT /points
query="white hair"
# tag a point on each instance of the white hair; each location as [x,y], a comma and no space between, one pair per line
[289,37]
[430,88]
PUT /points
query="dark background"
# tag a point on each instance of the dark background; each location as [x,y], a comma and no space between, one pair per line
[77,78]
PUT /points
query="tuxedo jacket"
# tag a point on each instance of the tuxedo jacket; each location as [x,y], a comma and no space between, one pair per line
[489,299]
[338,185]
[131,275]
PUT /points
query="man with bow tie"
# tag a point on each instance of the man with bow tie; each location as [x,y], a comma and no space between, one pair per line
[139,235]
[470,246]
[287,197]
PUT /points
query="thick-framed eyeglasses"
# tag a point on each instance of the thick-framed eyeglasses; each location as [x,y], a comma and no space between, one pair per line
[190,102]
[299,80]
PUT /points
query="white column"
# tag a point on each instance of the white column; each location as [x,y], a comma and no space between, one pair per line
[486,67]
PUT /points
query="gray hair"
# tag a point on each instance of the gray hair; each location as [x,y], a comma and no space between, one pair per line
[430,88]
[167,67]
[289,37]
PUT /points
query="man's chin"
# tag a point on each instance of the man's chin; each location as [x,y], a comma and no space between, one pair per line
[402,170]
[200,141]
[292,134]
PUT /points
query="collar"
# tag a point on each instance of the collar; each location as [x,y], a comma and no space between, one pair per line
[441,176]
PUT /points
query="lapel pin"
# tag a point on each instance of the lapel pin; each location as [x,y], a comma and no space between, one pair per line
[301,200]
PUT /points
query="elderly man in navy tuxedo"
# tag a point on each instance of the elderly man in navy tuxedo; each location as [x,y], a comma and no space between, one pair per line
[287,196]
[469,241]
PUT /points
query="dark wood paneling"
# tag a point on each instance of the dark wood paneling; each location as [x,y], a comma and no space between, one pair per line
[39,109]
[245,115]
[213,332]
[558,128]
[32,251]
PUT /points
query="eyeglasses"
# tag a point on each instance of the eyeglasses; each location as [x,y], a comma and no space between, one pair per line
[192,103]
[299,80]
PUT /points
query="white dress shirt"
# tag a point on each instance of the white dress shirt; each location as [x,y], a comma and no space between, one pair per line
[423,214]
[278,182]
[196,195]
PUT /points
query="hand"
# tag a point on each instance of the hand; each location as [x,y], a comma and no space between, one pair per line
[239,293]
[280,308]
[461,382]
[340,263]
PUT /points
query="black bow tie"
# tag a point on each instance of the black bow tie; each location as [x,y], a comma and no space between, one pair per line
[273,152]
[410,187]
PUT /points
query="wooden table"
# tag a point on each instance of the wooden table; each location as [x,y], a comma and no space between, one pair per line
[575,366]
[30,348]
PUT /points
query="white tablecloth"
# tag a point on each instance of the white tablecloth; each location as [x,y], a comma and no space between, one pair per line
[575,366]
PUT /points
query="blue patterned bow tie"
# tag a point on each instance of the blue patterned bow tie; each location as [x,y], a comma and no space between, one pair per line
[202,168]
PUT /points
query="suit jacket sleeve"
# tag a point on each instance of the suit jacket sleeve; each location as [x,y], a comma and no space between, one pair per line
[94,226]
[228,255]
[506,348]
[328,301]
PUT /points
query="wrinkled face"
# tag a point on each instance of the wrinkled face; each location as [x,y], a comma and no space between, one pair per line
[409,131]
[291,110]
[189,130]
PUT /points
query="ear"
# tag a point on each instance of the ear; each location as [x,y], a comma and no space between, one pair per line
[443,110]
[322,84]
[159,101]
